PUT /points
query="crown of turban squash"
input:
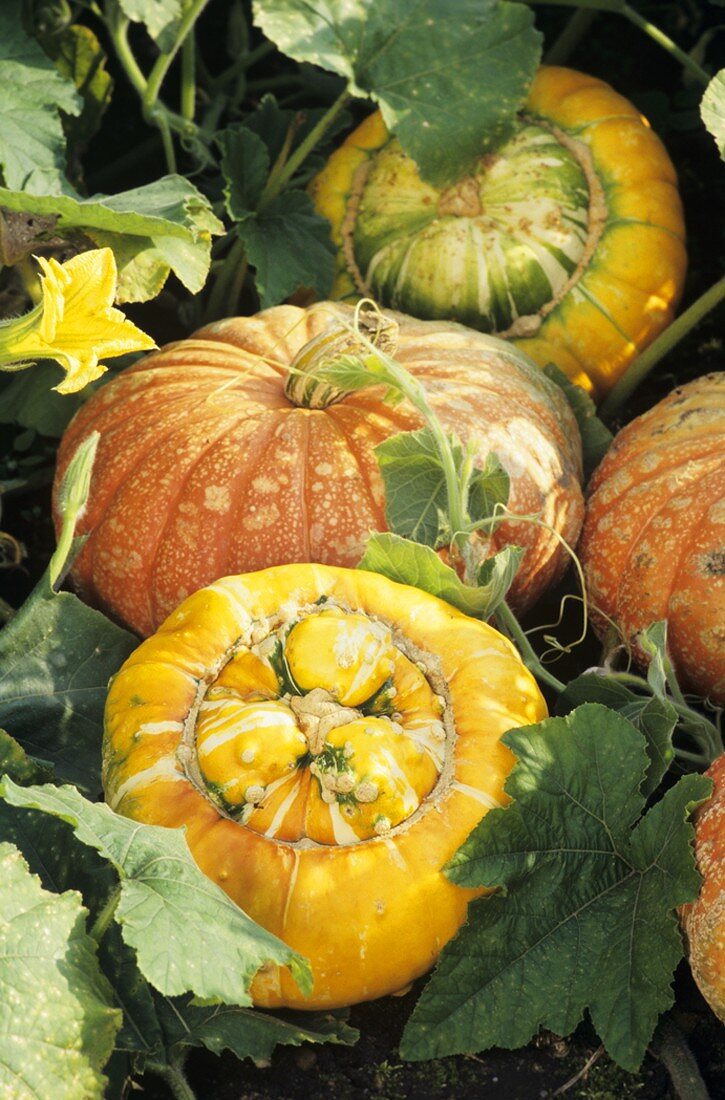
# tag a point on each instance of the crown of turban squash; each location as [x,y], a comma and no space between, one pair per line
[217,456]
[329,739]
[568,239]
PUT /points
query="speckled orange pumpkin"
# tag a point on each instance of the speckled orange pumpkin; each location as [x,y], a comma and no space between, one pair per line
[704,920]
[213,459]
[653,544]
[568,238]
[329,739]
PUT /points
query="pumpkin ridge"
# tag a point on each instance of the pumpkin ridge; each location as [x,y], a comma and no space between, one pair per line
[611,464]
[172,513]
[604,312]
[626,220]
[87,557]
[304,508]
[651,477]
[641,489]
[375,506]
[683,568]
[226,527]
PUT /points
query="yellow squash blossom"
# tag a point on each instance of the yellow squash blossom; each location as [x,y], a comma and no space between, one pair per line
[75,323]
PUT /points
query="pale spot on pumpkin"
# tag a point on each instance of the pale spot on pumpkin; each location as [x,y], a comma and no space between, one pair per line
[259,518]
[716,513]
[324,469]
[263,484]
[217,498]
[650,462]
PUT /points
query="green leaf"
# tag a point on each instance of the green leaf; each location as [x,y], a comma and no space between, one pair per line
[28,399]
[162,226]
[448,86]
[410,563]
[655,717]
[32,96]
[161,18]
[596,436]
[140,1032]
[57,656]
[16,763]
[245,167]
[289,246]
[586,914]
[56,1024]
[416,502]
[248,1034]
[78,57]
[167,903]
[712,109]
[653,641]
[490,486]
[416,499]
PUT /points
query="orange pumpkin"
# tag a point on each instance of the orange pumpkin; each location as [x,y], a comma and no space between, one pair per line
[207,466]
[653,545]
[704,920]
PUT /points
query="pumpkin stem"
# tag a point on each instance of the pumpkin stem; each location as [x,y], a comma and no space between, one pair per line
[309,383]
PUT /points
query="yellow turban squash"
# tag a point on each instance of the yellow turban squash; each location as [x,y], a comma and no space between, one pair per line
[568,239]
[329,739]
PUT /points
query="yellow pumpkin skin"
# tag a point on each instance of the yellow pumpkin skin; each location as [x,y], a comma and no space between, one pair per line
[629,271]
[371,913]
[205,467]
[704,920]
[653,542]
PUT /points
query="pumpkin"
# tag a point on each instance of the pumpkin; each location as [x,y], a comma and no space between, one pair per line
[328,738]
[215,458]
[653,543]
[568,238]
[704,920]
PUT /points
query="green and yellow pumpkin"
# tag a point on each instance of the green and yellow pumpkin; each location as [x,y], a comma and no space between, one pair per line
[568,239]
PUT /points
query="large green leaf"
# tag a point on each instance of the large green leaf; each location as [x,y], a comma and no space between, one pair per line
[32,95]
[448,80]
[57,1026]
[167,904]
[653,716]
[56,658]
[163,226]
[288,244]
[411,563]
[586,918]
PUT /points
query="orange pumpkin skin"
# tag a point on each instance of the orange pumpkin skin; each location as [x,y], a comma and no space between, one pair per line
[370,911]
[704,920]
[653,543]
[206,468]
